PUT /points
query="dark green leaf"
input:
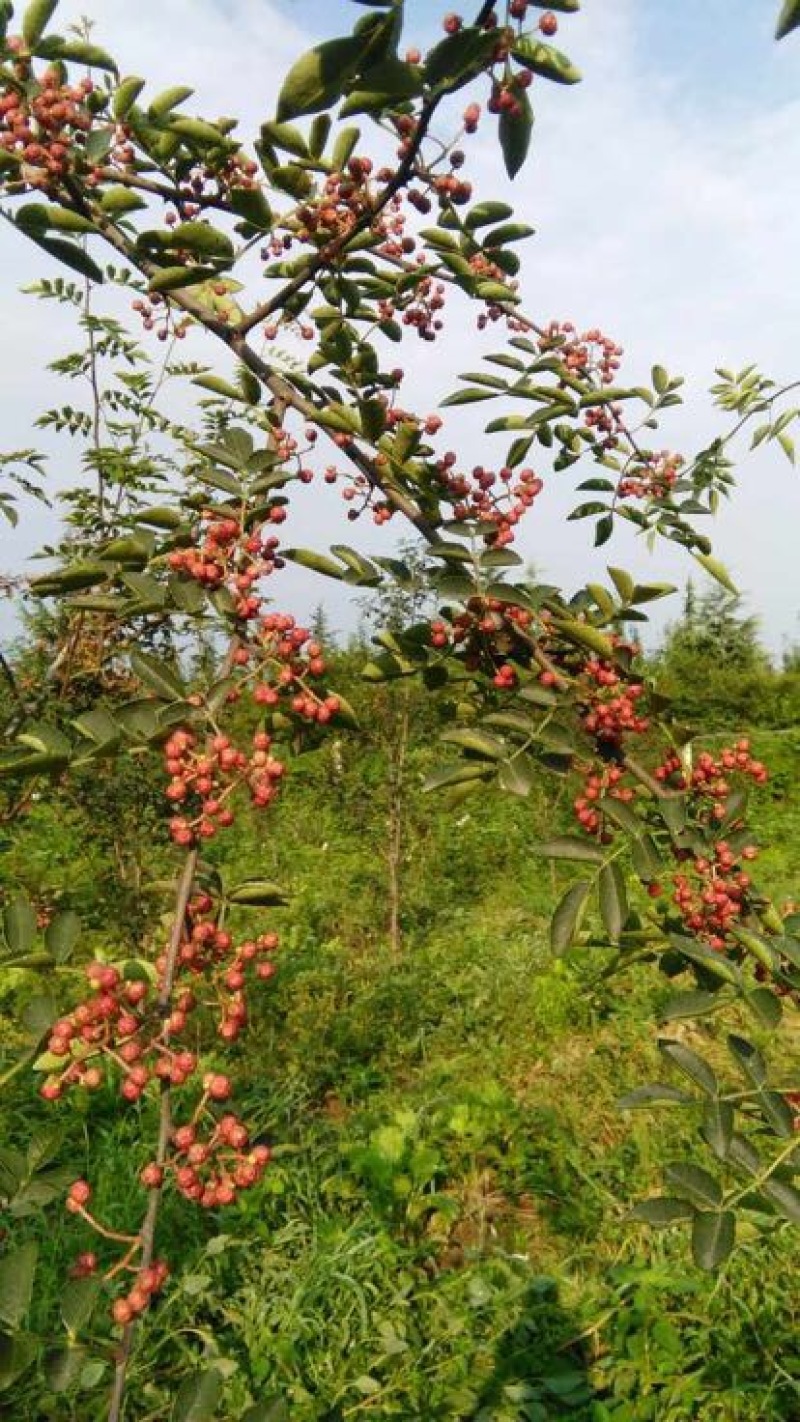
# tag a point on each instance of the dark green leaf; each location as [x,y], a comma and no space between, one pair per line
[545,60]
[789,18]
[655,1094]
[662,1211]
[198,1397]
[691,1065]
[717,1127]
[158,675]
[515,130]
[713,1235]
[78,1301]
[62,934]
[613,899]
[19,924]
[569,847]
[17,1271]
[694,1183]
[566,920]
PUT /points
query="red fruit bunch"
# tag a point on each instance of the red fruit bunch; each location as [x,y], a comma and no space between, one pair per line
[228,555]
[490,636]
[204,775]
[711,893]
[211,1170]
[43,125]
[289,661]
[500,499]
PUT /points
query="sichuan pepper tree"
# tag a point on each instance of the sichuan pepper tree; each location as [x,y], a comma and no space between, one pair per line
[357,251]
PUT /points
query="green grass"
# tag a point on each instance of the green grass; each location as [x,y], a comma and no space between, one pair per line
[443,1233]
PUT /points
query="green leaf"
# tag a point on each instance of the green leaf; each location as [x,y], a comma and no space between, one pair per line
[35,20]
[459,57]
[317,562]
[78,1301]
[484,214]
[77,52]
[16,1355]
[116,201]
[125,96]
[749,1059]
[169,99]
[660,379]
[62,934]
[692,1003]
[545,60]
[661,1211]
[691,1065]
[713,1235]
[317,79]
[69,255]
[202,240]
[717,1127]
[694,1183]
[158,675]
[784,1197]
[567,846]
[654,1094]
[175,279]
[788,19]
[716,570]
[613,900]
[471,738]
[17,1271]
[458,773]
[566,920]
[62,1366]
[19,924]
[258,893]
[515,131]
[198,1397]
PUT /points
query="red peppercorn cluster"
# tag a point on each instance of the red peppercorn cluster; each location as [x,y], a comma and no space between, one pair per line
[204,776]
[106,1026]
[612,709]
[44,126]
[500,499]
[148,1282]
[713,893]
[211,1170]
[654,478]
[490,635]
[228,555]
[158,315]
[293,657]
[709,776]
[604,782]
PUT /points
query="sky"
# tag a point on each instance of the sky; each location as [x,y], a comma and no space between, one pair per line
[664,196]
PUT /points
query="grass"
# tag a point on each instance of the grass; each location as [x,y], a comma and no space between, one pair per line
[444,1232]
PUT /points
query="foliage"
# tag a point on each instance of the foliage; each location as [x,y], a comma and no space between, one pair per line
[530,678]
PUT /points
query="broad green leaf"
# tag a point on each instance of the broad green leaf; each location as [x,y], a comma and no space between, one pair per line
[36,17]
[566,920]
[316,562]
[76,51]
[613,899]
[662,1211]
[317,79]
[459,57]
[17,1271]
[515,131]
[784,1197]
[198,1397]
[158,675]
[456,774]
[569,847]
[169,99]
[691,1065]
[692,1003]
[545,60]
[78,1301]
[694,1183]
[19,924]
[62,934]
[69,255]
[749,1059]
[125,96]
[257,893]
[713,1235]
[717,1127]
[471,738]
[789,19]
[484,214]
[717,570]
[17,1353]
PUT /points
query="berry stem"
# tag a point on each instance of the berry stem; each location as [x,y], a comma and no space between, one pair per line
[148,1231]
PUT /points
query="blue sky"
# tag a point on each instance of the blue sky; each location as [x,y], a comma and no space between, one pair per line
[667,210]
